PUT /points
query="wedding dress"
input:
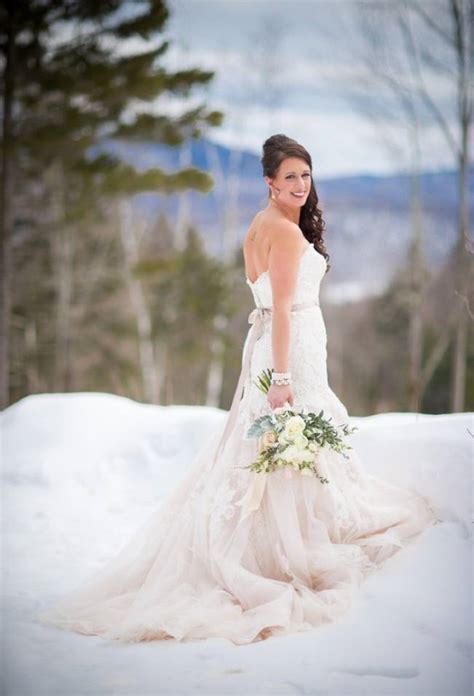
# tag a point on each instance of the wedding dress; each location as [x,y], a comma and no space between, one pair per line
[225,556]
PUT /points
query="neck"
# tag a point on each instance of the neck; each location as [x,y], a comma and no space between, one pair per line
[289,212]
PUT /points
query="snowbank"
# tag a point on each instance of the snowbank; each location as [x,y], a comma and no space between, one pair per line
[82,471]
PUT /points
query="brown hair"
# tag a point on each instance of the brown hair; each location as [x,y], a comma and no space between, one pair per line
[278,147]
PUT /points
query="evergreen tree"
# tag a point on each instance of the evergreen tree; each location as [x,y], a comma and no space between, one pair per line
[66,84]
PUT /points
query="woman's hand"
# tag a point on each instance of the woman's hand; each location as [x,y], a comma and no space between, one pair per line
[278,394]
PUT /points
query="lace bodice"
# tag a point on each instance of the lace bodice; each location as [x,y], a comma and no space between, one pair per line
[308,345]
[311,272]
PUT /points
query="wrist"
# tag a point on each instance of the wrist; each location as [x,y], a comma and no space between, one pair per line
[281,378]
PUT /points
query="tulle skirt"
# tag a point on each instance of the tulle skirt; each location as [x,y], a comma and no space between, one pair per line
[199,568]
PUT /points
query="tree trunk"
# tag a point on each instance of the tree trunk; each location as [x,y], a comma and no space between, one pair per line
[228,246]
[62,240]
[183,213]
[169,373]
[33,381]
[142,313]
[463,270]
[215,375]
[459,364]
[5,212]
[63,266]
[416,285]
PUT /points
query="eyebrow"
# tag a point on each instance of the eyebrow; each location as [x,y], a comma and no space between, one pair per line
[304,172]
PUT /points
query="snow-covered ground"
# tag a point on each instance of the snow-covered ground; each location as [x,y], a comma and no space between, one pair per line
[82,471]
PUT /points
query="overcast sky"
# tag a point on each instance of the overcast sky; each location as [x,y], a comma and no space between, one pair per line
[291,67]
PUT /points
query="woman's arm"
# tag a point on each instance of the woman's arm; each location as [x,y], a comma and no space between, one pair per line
[283,266]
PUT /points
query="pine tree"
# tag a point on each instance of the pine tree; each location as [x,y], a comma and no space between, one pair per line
[68,84]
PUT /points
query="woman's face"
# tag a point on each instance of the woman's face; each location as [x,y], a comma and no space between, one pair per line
[293,178]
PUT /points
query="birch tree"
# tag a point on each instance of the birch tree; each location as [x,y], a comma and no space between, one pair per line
[397,59]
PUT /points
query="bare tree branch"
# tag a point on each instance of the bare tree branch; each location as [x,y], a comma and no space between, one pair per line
[423,91]
[420,10]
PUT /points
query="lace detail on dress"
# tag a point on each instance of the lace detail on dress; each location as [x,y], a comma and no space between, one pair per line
[227,493]
[307,351]
[195,571]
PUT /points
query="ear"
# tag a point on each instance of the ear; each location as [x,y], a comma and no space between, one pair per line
[268,180]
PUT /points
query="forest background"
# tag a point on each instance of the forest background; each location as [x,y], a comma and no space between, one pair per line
[129,178]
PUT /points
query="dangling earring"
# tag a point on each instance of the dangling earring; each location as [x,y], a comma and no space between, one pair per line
[272,194]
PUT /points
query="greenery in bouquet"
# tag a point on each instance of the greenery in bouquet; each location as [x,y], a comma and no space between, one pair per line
[294,439]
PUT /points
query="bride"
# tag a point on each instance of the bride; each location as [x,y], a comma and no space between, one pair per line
[244,555]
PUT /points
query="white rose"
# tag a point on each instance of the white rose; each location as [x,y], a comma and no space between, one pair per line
[294,426]
[300,442]
[313,447]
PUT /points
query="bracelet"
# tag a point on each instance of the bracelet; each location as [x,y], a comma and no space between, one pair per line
[281,378]
[280,382]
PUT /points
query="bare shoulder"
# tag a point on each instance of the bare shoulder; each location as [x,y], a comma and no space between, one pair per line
[286,236]
[285,252]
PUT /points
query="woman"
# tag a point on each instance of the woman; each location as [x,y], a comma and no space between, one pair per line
[241,555]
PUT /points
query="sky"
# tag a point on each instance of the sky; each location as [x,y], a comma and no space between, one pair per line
[295,68]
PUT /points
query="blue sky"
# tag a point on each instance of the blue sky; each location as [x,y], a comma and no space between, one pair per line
[290,67]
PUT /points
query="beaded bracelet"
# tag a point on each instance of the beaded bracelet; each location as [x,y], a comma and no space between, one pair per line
[281,378]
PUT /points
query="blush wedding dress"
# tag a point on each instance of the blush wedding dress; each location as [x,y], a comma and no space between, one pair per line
[244,556]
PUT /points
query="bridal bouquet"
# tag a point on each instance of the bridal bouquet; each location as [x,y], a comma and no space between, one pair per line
[293,439]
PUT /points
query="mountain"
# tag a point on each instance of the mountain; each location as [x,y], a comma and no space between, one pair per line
[367,217]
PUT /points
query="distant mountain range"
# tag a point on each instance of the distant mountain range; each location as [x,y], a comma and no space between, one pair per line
[367,217]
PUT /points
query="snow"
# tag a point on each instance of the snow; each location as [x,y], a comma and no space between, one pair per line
[82,471]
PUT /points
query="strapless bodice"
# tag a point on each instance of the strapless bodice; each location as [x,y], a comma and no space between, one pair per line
[311,271]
